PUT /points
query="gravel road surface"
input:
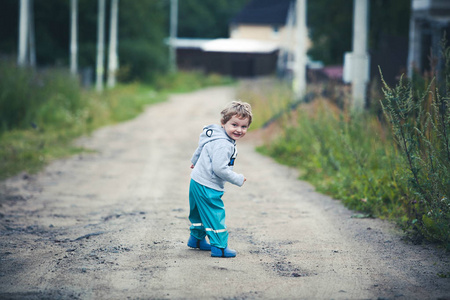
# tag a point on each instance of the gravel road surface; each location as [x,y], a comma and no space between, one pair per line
[113,225]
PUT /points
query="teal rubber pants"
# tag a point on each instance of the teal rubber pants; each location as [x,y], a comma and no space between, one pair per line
[207,214]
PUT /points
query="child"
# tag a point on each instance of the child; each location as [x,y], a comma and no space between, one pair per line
[213,165]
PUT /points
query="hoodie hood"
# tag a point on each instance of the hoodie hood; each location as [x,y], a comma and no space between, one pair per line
[211,133]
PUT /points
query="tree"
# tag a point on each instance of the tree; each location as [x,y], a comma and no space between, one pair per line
[330,29]
[144,26]
[207,18]
[330,26]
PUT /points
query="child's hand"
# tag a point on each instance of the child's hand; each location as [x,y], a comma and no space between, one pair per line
[245,179]
[192,166]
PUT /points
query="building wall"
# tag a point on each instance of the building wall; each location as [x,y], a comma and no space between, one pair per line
[258,32]
[430,19]
[231,64]
[432,7]
[284,36]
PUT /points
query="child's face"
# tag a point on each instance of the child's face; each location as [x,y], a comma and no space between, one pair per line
[236,127]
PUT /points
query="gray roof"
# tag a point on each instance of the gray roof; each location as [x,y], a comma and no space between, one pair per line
[267,12]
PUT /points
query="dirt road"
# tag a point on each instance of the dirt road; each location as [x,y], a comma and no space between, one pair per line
[113,225]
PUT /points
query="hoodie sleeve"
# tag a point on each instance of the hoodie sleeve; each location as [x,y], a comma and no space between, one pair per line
[220,157]
[198,151]
[196,155]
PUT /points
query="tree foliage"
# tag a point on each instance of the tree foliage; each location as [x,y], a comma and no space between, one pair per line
[331,25]
[144,24]
[143,28]
[207,18]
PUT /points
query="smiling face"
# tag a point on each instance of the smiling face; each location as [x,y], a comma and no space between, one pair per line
[236,127]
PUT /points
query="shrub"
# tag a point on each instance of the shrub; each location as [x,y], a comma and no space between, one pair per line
[421,126]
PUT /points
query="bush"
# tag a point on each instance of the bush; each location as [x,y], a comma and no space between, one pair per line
[421,126]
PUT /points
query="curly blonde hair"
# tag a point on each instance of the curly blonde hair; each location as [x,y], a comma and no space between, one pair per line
[237,108]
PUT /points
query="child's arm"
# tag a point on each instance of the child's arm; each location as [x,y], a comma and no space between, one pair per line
[195,156]
[220,159]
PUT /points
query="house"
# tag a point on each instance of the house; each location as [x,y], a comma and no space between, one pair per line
[430,19]
[257,34]
[262,20]
[232,57]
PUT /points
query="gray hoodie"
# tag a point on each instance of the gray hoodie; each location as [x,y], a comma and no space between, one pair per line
[214,159]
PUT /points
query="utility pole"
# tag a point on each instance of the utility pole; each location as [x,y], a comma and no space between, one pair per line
[31,39]
[300,51]
[173,34]
[100,45]
[360,57]
[287,46]
[74,37]
[23,32]
[113,61]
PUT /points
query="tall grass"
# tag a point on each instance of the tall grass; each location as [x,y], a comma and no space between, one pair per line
[270,99]
[42,112]
[28,97]
[421,126]
[400,174]
[344,156]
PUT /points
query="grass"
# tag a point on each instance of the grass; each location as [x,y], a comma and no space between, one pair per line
[361,159]
[51,137]
[350,157]
[43,112]
[269,99]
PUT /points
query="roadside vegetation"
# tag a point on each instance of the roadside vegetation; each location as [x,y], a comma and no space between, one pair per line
[41,113]
[391,161]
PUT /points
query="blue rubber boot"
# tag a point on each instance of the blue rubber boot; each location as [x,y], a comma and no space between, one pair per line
[222,252]
[200,244]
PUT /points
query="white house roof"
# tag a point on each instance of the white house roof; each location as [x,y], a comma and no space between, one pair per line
[188,43]
[239,45]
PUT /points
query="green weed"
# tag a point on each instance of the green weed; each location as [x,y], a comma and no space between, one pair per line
[420,122]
